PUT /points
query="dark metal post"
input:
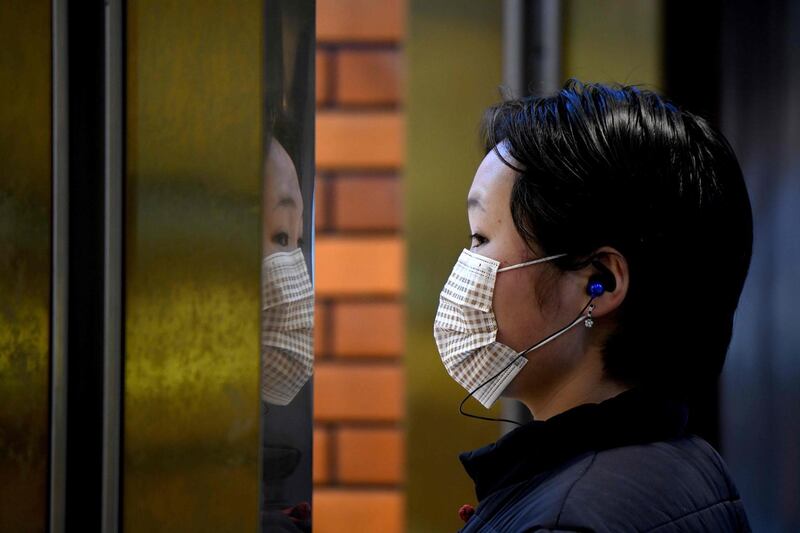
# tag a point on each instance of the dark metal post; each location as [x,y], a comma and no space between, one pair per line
[113,240]
[60,269]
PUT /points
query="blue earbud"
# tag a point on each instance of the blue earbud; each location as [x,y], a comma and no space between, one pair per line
[602,282]
[595,289]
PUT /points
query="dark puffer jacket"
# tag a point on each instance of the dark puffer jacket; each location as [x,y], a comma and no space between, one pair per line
[625,464]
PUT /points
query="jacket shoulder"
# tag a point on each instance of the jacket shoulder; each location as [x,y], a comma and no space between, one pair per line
[530,503]
[655,487]
[680,484]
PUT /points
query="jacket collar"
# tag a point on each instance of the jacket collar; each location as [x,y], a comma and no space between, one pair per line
[635,416]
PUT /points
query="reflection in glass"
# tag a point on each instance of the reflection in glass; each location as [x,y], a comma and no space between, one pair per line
[287,297]
[286,339]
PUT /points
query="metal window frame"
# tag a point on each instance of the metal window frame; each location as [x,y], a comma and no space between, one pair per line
[102,124]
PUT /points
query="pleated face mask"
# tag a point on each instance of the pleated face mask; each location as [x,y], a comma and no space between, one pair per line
[465,328]
[287,326]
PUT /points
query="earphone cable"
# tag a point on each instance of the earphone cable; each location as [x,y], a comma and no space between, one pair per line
[520,354]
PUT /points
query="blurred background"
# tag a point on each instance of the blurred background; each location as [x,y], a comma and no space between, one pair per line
[131,195]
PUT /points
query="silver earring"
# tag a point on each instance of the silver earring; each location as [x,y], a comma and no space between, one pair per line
[589,322]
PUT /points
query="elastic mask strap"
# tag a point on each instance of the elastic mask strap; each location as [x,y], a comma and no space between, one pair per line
[540,260]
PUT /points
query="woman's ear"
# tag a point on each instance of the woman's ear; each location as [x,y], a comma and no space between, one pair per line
[613,264]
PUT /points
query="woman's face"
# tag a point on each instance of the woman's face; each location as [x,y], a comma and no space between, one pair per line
[522,321]
[283,202]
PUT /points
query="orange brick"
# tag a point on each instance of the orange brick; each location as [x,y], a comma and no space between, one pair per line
[368,329]
[362,202]
[347,139]
[322,76]
[321,207]
[346,511]
[370,455]
[320,457]
[361,20]
[369,77]
[362,392]
[321,333]
[359,266]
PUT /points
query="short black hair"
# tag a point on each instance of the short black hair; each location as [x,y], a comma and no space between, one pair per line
[621,166]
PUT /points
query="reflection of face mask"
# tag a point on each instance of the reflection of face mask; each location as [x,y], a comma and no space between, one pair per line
[287,326]
[465,328]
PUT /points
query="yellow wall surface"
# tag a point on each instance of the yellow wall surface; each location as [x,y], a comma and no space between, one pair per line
[613,41]
[24,263]
[454,69]
[193,251]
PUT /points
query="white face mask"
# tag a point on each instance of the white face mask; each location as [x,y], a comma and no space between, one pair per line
[465,328]
[287,336]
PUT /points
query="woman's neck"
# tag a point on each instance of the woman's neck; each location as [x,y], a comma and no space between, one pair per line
[586,384]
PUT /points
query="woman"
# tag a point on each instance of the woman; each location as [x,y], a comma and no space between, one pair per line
[611,237]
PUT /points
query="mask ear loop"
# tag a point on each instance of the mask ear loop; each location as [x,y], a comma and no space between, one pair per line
[547,339]
[533,262]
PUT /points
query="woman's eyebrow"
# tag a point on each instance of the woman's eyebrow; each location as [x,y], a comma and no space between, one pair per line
[286,201]
[473,201]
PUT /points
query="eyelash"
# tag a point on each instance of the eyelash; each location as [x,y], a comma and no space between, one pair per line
[282,239]
[480,238]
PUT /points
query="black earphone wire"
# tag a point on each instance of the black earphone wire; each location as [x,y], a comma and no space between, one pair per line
[520,354]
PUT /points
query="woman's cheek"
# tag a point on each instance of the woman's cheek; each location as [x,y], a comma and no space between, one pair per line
[512,309]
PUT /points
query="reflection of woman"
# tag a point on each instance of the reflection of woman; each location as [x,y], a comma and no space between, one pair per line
[287,292]
[611,236]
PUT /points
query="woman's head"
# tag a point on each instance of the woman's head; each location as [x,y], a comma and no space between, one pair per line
[650,192]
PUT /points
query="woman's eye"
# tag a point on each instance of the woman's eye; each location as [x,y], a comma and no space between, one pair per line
[281,239]
[477,239]
[300,243]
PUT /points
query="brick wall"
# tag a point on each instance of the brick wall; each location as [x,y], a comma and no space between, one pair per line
[359,406]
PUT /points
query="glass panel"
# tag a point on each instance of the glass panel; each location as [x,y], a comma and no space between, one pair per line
[194,165]
[288,294]
[25,88]
[219,297]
